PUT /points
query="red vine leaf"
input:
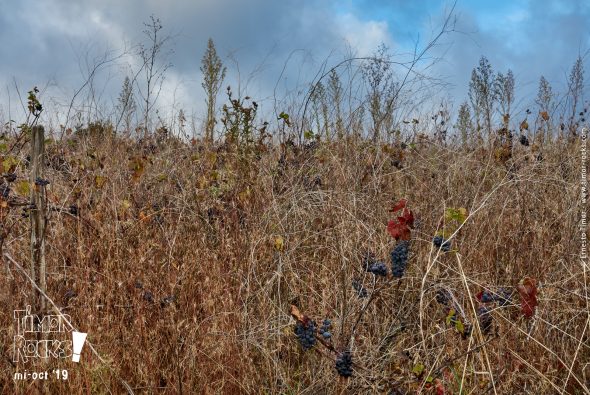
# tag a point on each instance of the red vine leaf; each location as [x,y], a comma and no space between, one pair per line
[439,387]
[399,228]
[407,218]
[399,205]
[528,296]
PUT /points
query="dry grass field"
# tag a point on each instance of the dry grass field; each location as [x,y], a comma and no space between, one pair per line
[191,264]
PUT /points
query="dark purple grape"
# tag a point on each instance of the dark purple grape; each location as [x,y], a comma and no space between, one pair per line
[148,297]
[344,364]
[73,210]
[485,319]
[41,182]
[440,242]
[325,329]
[306,334]
[487,297]
[4,190]
[378,269]
[399,258]
[443,296]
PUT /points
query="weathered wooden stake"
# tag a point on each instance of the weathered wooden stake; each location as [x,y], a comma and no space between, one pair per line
[37,216]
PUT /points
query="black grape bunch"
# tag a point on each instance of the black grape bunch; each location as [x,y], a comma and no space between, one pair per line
[441,243]
[443,297]
[503,297]
[305,332]
[485,319]
[344,364]
[372,265]
[325,329]
[399,258]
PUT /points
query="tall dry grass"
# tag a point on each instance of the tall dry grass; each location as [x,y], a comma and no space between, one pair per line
[175,269]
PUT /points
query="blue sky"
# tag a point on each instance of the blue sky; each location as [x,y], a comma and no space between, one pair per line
[54,43]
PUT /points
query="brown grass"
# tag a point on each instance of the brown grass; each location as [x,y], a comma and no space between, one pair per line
[200,224]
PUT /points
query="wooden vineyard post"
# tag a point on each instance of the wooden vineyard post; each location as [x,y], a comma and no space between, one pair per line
[38,217]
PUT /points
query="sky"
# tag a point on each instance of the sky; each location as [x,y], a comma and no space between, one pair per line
[274,49]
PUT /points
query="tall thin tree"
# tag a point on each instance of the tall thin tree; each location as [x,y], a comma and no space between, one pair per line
[213,76]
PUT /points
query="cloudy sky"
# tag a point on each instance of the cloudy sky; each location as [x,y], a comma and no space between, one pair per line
[275,47]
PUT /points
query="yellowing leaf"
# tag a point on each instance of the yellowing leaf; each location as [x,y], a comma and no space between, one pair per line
[99,181]
[211,158]
[125,204]
[244,195]
[450,317]
[279,243]
[418,369]
[456,214]
[23,188]
[137,167]
[459,326]
[9,164]
[544,115]
[524,125]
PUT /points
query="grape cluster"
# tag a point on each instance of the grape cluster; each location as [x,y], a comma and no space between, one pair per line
[41,182]
[358,287]
[485,319]
[487,297]
[148,296]
[443,296]
[503,297]
[524,140]
[440,242]
[378,269]
[306,334]
[325,329]
[73,210]
[4,190]
[344,364]
[399,258]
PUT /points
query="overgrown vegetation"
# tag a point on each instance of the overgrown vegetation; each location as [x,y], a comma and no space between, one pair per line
[388,255]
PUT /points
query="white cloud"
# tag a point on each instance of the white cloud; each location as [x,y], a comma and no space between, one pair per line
[363,36]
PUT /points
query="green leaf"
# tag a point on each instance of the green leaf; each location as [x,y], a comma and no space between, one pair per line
[99,181]
[451,317]
[418,369]
[9,164]
[23,188]
[456,214]
[459,326]
[308,135]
